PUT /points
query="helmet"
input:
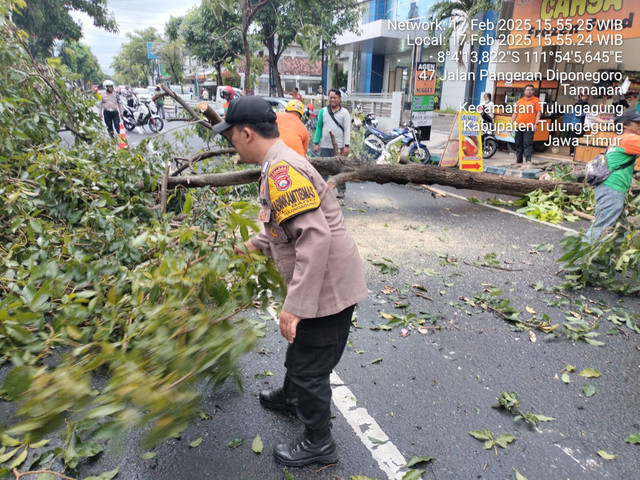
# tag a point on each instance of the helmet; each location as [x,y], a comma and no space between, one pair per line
[310,106]
[107,83]
[227,92]
[295,106]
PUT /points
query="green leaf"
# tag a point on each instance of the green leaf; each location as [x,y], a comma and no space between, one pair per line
[504,440]
[8,455]
[413,475]
[287,474]
[481,435]
[634,439]
[542,418]
[19,460]
[589,373]
[416,460]
[565,378]
[39,444]
[8,441]
[45,476]
[589,390]
[188,204]
[377,360]
[606,456]
[149,455]
[105,476]
[257,445]
[196,443]
[377,441]
[236,442]
[519,476]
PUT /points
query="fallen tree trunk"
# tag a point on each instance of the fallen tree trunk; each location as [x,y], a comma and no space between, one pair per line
[351,170]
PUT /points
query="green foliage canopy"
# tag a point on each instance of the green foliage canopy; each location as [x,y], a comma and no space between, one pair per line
[96,284]
[132,64]
[47,20]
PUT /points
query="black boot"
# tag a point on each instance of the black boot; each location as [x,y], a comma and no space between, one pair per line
[278,399]
[310,448]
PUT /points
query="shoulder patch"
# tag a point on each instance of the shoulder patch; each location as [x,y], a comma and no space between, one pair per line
[291,193]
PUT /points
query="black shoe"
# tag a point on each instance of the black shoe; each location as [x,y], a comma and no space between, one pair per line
[304,451]
[277,399]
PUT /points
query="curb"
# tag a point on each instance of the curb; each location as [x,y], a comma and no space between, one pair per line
[529,173]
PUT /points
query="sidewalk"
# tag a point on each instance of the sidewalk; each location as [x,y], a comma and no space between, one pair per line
[503,162]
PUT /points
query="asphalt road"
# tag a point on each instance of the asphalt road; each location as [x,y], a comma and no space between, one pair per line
[399,394]
[430,389]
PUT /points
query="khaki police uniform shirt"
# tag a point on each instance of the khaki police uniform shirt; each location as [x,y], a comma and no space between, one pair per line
[305,233]
[110,102]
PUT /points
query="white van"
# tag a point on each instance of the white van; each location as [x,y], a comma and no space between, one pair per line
[183,92]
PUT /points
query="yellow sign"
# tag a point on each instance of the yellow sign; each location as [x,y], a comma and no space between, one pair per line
[538,23]
[464,145]
[291,193]
[470,147]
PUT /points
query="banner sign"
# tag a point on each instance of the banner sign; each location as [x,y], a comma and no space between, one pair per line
[538,23]
[423,94]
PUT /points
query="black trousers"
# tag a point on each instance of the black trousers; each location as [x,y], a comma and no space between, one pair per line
[524,144]
[314,353]
[112,119]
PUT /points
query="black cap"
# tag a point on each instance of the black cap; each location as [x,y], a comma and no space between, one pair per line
[246,109]
[628,116]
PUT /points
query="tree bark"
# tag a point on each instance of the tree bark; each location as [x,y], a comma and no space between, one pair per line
[212,116]
[349,170]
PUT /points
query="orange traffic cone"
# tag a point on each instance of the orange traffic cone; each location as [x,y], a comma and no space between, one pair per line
[123,137]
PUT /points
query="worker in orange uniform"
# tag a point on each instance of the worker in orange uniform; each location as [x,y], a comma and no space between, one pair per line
[292,130]
[526,116]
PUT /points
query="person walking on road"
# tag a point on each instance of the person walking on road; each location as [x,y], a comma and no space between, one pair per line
[292,131]
[611,193]
[305,233]
[160,101]
[526,116]
[337,120]
[110,108]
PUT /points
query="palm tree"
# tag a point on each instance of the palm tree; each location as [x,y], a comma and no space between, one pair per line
[460,13]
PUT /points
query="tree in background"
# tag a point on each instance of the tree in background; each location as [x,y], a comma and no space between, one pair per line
[212,35]
[132,64]
[172,56]
[46,21]
[303,22]
[460,13]
[172,28]
[81,60]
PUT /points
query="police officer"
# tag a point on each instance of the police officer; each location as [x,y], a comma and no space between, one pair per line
[111,108]
[305,233]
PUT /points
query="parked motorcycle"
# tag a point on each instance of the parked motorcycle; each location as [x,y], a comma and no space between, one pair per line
[380,145]
[489,140]
[366,119]
[144,112]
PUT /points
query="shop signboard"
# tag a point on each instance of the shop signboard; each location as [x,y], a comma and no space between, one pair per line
[470,147]
[423,94]
[504,131]
[464,145]
[537,23]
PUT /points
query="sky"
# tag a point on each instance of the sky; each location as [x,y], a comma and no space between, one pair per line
[131,16]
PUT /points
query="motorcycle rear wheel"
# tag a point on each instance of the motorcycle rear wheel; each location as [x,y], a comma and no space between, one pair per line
[489,147]
[156,124]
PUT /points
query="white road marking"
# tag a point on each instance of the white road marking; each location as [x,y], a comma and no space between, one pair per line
[389,458]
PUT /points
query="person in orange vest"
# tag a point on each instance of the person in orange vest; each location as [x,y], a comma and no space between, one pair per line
[526,116]
[292,131]
[227,93]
